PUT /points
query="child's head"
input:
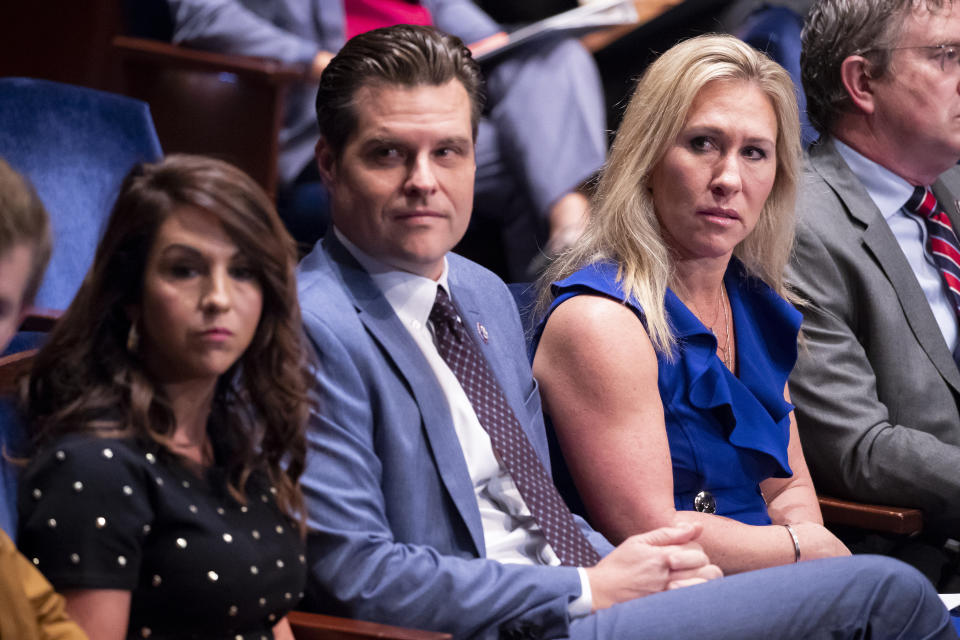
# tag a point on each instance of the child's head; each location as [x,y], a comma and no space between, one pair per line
[24,248]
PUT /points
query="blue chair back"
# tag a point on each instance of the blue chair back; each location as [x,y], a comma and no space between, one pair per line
[75,145]
[12,441]
[776,32]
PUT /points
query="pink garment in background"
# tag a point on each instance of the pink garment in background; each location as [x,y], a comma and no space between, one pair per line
[364,15]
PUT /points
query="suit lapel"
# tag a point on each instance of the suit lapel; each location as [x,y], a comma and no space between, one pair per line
[883,245]
[487,332]
[949,203]
[382,323]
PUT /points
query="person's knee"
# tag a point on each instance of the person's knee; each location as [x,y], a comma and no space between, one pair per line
[882,570]
[902,593]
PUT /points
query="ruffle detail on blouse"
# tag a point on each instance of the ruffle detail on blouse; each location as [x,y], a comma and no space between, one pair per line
[751,408]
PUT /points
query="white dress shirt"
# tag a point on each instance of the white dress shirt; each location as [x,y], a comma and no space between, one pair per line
[510,532]
[890,193]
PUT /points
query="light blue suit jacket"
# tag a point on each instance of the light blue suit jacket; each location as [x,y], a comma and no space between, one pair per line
[396,535]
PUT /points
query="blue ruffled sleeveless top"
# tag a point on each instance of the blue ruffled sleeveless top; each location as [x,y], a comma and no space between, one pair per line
[726,433]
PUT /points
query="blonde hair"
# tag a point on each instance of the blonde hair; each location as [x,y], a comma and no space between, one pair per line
[623,227]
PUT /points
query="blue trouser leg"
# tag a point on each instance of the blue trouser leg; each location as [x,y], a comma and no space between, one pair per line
[858,597]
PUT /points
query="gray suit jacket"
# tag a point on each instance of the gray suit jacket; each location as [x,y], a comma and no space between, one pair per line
[876,389]
[396,534]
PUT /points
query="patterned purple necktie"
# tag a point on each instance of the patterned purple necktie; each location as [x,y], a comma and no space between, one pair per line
[510,443]
[942,241]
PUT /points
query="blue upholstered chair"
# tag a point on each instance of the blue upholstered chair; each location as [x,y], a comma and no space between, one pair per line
[776,32]
[75,145]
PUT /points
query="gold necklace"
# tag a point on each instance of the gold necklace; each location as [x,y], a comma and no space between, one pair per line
[702,317]
[726,354]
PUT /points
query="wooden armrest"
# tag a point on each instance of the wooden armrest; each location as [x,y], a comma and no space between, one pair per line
[40,319]
[231,107]
[171,55]
[314,626]
[12,367]
[887,519]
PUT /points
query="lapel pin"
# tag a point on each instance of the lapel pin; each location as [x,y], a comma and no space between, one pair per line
[482,330]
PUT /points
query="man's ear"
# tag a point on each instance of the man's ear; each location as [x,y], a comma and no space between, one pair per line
[856,78]
[326,161]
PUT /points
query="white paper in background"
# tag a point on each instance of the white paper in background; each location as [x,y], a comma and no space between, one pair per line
[950,600]
[583,19]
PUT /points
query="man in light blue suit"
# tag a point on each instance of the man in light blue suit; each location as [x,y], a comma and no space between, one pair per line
[542,135]
[414,518]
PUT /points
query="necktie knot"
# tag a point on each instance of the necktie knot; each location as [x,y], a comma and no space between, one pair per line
[923,203]
[942,245]
[444,314]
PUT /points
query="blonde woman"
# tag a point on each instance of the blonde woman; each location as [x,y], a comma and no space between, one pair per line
[668,335]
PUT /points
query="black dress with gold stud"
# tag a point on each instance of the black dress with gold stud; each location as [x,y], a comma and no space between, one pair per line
[104,513]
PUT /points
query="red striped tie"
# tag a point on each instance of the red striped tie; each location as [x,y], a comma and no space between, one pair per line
[942,240]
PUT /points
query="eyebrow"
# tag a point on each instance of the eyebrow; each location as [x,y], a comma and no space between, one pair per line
[710,129]
[396,142]
[455,140]
[186,248]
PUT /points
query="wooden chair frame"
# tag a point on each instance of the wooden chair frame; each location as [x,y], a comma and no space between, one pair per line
[875,517]
[228,106]
[314,626]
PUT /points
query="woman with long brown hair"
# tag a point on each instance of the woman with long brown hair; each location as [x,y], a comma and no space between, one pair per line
[167,417]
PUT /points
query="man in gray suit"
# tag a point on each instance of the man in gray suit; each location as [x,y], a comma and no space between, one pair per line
[877,387]
[429,500]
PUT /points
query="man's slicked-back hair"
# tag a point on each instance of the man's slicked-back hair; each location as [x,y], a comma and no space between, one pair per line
[404,55]
[24,221]
[837,29]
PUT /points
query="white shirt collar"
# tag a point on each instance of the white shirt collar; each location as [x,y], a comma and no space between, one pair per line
[411,295]
[887,190]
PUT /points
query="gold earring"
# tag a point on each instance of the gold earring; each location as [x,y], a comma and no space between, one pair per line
[133,338]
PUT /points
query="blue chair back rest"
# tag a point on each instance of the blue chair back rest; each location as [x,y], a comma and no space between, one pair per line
[75,145]
[12,441]
[776,32]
